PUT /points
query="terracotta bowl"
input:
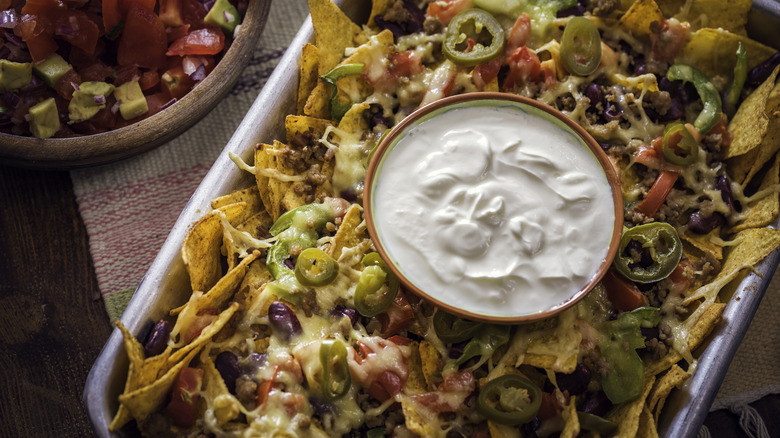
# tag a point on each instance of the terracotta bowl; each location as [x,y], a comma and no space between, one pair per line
[415,279]
[90,150]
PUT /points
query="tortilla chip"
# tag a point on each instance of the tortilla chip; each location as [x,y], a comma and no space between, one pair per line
[201,248]
[300,124]
[626,415]
[333,32]
[639,16]
[571,428]
[556,350]
[250,196]
[317,104]
[309,75]
[431,364]
[149,399]
[135,355]
[224,289]
[349,233]
[750,123]
[205,335]
[415,382]
[730,15]
[713,51]
[378,7]
[418,417]
[705,243]
[222,403]
[764,211]
[647,425]
[663,387]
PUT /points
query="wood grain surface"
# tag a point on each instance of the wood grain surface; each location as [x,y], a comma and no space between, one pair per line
[53,323]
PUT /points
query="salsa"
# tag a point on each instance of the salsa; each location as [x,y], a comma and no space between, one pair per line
[75,68]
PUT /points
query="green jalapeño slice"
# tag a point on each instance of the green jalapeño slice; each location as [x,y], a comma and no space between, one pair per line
[648,253]
[473,37]
[581,46]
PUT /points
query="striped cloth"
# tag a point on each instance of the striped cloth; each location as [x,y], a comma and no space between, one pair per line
[129,207]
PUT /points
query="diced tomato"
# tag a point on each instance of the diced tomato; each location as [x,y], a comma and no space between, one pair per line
[200,322]
[41,8]
[96,72]
[206,41]
[484,73]
[649,156]
[451,393]
[174,33]
[722,128]
[182,408]
[444,10]
[149,79]
[623,294]
[112,15]
[668,40]
[399,340]
[524,66]
[37,33]
[550,406]
[155,102]
[397,316]
[681,277]
[658,192]
[386,385]
[78,29]
[441,83]
[175,83]
[105,120]
[170,13]
[5,4]
[64,86]
[126,74]
[406,63]
[193,13]
[143,41]
[518,35]
[263,391]
[148,4]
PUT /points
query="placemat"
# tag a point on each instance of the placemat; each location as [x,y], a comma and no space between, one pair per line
[129,207]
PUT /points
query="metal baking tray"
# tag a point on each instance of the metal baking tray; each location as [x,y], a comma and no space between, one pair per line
[166,284]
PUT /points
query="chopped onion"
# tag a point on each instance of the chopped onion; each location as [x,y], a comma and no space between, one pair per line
[8,19]
[115,106]
[168,103]
[65,31]
[75,86]
[100,99]
[199,74]
[207,5]
[13,39]
[11,99]
[229,18]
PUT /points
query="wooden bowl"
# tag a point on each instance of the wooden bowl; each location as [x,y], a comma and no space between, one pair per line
[429,264]
[103,148]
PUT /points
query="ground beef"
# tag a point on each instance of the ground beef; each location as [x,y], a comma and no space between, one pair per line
[432,26]
[567,102]
[246,391]
[157,425]
[602,7]
[656,348]
[304,151]
[659,101]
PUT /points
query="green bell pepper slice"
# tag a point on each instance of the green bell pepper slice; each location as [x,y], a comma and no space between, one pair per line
[740,75]
[660,241]
[338,109]
[709,95]
[510,399]
[487,340]
[581,46]
[377,287]
[450,329]
[336,376]
[594,423]
[479,27]
[679,146]
[314,267]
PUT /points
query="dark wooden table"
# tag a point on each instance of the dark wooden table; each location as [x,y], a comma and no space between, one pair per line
[53,323]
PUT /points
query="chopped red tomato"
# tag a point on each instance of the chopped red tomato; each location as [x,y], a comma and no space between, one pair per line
[5,4]
[198,324]
[397,316]
[175,83]
[668,39]
[64,86]
[37,33]
[451,394]
[206,41]
[97,71]
[112,16]
[484,73]
[143,41]
[193,13]
[380,365]
[623,294]
[182,408]
[518,35]
[406,63]
[170,13]
[650,156]
[524,66]
[441,83]
[444,10]
[722,128]
[658,192]
[174,33]
[77,28]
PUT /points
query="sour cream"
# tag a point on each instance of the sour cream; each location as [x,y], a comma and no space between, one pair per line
[493,210]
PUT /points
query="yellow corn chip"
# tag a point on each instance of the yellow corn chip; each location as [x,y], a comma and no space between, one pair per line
[730,15]
[378,7]
[353,120]
[250,196]
[415,382]
[431,364]
[764,210]
[750,123]
[309,75]
[333,32]
[223,404]
[300,124]
[317,103]
[204,336]
[224,289]
[647,423]
[201,248]
[558,349]
[571,429]
[713,51]
[705,242]
[627,415]
[349,233]
[663,387]
[639,16]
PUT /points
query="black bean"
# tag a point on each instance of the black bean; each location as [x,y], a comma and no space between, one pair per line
[650,332]
[342,311]
[284,321]
[228,367]
[320,407]
[640,65]
[722,183]
[158,339]
[614,111]
[577,11]
[577,382]
[594,93]
[529,429]
[700,224]
[596,403]
[254,362]
[761,72]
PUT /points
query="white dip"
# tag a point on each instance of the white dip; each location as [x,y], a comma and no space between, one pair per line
[493,210]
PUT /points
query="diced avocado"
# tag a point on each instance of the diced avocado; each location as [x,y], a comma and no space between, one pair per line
[132,102]
[52,69]
[224,15]
[44,119]
[14,75]
[86,100]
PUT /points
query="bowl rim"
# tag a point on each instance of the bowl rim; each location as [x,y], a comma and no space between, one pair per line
[144,135]
[601,156]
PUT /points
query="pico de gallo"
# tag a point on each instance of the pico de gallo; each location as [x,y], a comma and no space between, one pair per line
[81,67]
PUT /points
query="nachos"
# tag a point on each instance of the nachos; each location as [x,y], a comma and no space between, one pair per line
[296,327]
